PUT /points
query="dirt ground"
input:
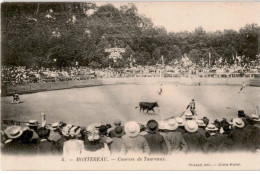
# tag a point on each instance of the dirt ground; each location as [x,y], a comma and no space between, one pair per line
[83,106]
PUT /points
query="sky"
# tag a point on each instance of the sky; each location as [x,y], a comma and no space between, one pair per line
[186,16]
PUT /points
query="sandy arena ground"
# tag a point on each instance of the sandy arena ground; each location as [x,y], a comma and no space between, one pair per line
[82,106]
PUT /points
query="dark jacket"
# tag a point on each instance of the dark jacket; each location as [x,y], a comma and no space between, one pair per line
[175,142]
[217,143]
[240,140]
[194,141]
[46,147]
[253,140]
[180,129]
[156,143]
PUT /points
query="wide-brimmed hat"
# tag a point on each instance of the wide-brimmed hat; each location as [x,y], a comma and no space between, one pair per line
[238,122]
[188,113]
[241,113]
[13,132]
[32,123]
[255,117]
[200,123]
[211,127]
[191,126]
[180,121]
[66,129]
[132,129]
[94,132]
[152,126]
[119,131]
[55,126]
[171,124]
[162,125]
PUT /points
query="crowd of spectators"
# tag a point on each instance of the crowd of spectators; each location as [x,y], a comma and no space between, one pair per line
[22,75]
[183,134]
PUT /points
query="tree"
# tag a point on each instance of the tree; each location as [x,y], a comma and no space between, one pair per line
[195,56]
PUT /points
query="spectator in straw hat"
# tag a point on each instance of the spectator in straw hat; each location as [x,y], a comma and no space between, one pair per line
[201,130]
[45,146]
[155,141]
[115,146]
[239,135]
[174,140]
[192,137]
[19,141]
[132,141]
[181,123]
[216,142]
[73,147]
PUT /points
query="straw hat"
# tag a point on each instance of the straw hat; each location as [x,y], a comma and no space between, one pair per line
[171,124]
[132,129]
[200,123]
[13,132]
[32,123]
[162,125]
[55,125]
[191,126]
[238,122]
[180,121]
[152,126]
[66,129]
[255,117]
[211,127]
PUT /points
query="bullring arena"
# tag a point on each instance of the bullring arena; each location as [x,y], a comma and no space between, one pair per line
[108,101]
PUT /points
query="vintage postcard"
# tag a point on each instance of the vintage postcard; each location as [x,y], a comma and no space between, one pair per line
[130,85]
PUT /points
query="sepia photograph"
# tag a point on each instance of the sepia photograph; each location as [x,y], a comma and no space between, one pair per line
[99,85]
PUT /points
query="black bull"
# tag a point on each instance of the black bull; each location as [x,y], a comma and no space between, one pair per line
[147,106]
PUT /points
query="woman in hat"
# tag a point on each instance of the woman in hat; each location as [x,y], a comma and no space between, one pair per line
[132,142]
[73,147]
[155,141]
[192,137]
[174,140]
[93,143]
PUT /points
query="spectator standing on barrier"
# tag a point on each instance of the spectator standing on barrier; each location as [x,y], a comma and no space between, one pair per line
[132,142]
[155,141]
